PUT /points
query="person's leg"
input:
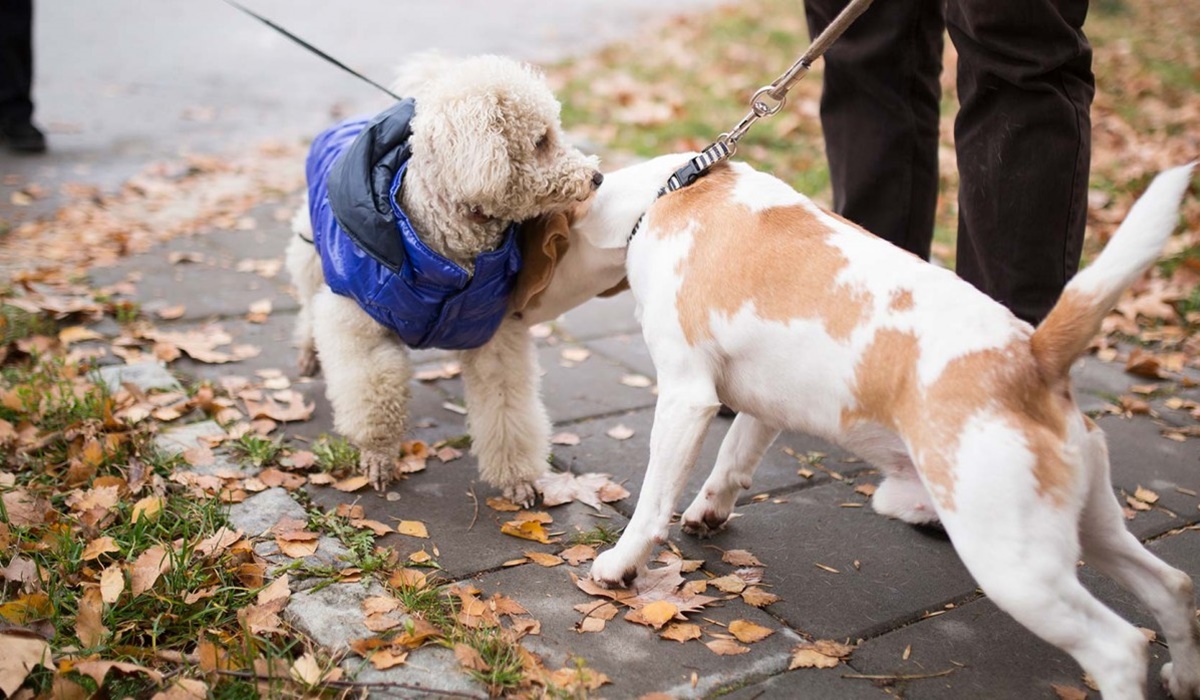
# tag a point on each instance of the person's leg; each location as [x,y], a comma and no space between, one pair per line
[879,111]
[16,77]
[1023,136]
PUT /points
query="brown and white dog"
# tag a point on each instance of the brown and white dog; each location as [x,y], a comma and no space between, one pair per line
[751,295]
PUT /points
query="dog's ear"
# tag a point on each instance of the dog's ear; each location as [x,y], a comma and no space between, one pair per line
[470,140]
[544,242]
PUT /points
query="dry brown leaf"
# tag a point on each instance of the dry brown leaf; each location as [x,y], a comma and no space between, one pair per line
[89,625]
[1145,495]
[351,484]
[590,624]
[380,529]
[578,554]
[146,569]
[747,632]
[576,354]
[758,597]
[637,381]
[726,647]
[148,508]
[183,689]
[98,547]
[728,584]
[592,489]
[469,658]
[412,528]
[502,504]
[23,652]
[822,653]
[681,632]
[543,559]
[112,583]
[386,658]
[740,557]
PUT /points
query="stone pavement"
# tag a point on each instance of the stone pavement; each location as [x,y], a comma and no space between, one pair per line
[842,572]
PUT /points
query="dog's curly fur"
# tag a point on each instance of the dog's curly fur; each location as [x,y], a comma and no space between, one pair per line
[487,149]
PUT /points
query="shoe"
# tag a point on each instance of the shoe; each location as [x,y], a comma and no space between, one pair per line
[23,137]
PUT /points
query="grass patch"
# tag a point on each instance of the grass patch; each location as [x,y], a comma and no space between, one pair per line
[255,450]
[335,454]
[597,536]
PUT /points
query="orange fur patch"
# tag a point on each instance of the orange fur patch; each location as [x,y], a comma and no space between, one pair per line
[779,260]
[902,300]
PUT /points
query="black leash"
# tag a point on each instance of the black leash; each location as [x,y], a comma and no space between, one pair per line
[309,46]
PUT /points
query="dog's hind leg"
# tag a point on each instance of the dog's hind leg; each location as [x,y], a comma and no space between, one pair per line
[686,404]
[742,449]
[304,265]
[1168,593]
[1021,544]
[901,494]
[510,430]
[366,372]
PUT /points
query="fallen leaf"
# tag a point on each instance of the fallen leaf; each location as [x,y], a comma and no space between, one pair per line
[98,547]
[822,653]
[527,530]
[306,670]
[592,489]
[112,583]
[619,432]
[681,632]
[352,483]
[578,554]
[655,614]
[576,354]
[502,504]
[146,569]
[1145,495]
[148,508]
[747,632]
[23,651]
[740,557]
[89,625]
[758,597]
[637,381]
[590,624]
[1066,692]
[568,439]
[543,559]
[469,658]
[386,658]
[170,313]
[412,528]
[726,647]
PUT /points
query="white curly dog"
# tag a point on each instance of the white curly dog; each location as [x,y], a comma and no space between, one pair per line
[487,149]
[751,295]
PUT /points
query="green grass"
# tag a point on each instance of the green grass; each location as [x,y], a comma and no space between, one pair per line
[335,454]
[597,536]
[255,450]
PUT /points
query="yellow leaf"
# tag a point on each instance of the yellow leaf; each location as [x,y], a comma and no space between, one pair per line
[386,658]
[811,658]
[747,632]
[657,614]
[758,597]
[89,625]
[306,670]
[146,569]
[527,530]
[148,507]
[353,483]
[1146,495]
[412,528]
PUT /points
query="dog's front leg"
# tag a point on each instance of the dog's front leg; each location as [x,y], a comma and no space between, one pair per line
[510,431]
[680,420]
[742,449]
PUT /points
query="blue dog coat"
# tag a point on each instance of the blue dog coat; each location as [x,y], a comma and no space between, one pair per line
[370,252]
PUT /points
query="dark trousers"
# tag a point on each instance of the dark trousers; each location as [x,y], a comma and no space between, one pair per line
[1022,134]
[16,61]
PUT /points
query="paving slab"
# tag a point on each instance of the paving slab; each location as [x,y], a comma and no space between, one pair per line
[810,683]
[628,349]
[259,513]
[901,570]
[429,672]
[464,533]
[1141,456]
[632,655]
[576,390]
[626,459]
[1000,658]
[206,287]
[600,317]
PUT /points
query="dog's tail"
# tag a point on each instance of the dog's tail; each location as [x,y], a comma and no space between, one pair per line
[1075,319]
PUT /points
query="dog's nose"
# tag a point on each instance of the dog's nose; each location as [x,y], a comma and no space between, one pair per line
[597,178]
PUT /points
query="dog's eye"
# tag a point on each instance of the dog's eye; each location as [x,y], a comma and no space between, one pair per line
[544,142]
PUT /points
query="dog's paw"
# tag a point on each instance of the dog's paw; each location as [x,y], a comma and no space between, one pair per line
[1179,688]
[523,494]
[377,467]
[307,362]
[707,516]
[611,570]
